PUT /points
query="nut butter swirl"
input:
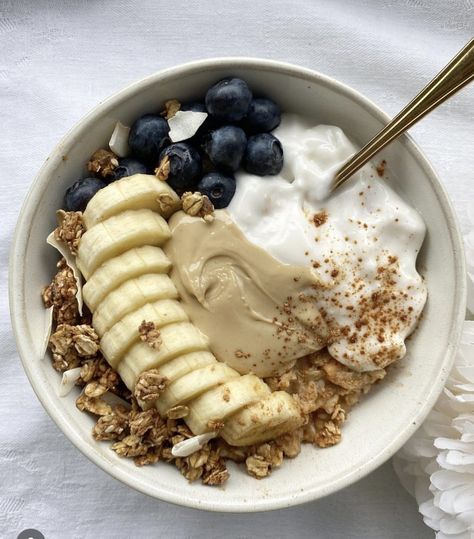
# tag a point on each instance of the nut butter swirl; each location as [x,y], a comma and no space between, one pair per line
[258,313]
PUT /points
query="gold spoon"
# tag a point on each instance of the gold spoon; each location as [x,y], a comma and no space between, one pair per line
[458,73]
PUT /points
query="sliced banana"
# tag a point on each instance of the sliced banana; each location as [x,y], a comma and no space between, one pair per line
[148,288]
[118,234]
[222,401]
[177,339]
[262,421]
[113,272]
[133,193]
[194,384]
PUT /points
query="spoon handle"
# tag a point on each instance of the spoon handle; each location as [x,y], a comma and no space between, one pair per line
[458,73]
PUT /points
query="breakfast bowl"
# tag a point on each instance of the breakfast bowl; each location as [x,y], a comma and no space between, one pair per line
[384,419]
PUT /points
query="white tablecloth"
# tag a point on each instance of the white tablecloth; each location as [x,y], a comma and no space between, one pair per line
[58,59]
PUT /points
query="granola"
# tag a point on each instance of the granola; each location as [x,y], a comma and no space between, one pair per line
[70,229]
[198,205]
[102,163]
[150,385]
[150,334]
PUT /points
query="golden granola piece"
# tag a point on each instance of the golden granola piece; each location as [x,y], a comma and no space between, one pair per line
[150,457]
[112,426]
[61,294]
[70,229]
[178,412]
[150,384]
[171,108]
[215,424]
[70,343]
[165,203]
[290,443]
[102,163]
[150,334]
[266,457]
[198,205]
[346,378]
[163,170]
[94,405]
[130,446]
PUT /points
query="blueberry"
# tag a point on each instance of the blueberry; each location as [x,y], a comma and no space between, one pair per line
[185,165]
[218,187]
[194,106]
[263,115]
[148,136]
[228,100]
[78,195]
[226,146]
[263,155]
[128,166]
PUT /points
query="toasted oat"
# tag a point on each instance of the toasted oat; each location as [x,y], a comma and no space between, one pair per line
[198,205]
[266,457]
[69,344]
[150,384]
[70,229]
[290,443]
[165,202]
[171,108]
[178,412]
[215,470]
[150,457]
[61,295]
[112,426]
[163,170]
[131,446]
[150,334]
[346,378]
[94,405]
[102,163]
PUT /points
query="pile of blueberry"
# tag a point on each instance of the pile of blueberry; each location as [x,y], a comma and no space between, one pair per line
[236,133]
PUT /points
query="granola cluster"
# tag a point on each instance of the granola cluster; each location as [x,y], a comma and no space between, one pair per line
[70,229]
[102,163]
[61,295]
[198,205]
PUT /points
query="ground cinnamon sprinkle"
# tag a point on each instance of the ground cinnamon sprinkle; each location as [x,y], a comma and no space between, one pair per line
[380,168]
[320,218]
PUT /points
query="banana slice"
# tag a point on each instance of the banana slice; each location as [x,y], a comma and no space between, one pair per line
[133,193]
[118,234]
[113,272]
[262,421]
[193,384]
[174,369]
[224,400]
[177,339]
[132,295]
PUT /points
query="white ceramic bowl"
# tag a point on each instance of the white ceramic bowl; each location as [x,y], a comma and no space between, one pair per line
[379,425]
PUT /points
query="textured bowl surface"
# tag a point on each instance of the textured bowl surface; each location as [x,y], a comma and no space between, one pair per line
[384,420]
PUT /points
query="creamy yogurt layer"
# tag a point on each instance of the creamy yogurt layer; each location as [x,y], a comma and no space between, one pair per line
[361,241]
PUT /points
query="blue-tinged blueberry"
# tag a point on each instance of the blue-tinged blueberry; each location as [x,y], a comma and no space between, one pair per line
[184,166]
[226,146]
[218,187]
[78,195]
[148,136]
[128,166]
[263,115]
[228,100]
[263,155]
[194,106]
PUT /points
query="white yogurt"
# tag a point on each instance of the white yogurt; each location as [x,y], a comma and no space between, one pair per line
[363,251]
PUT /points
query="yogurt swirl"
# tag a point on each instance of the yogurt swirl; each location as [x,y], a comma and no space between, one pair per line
[361,241]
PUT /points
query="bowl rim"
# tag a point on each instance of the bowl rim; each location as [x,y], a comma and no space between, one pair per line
[17,277]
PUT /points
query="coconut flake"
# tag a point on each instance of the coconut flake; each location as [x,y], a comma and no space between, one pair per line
[68,381]
[48,328]
[184,124]
[118,142]
[191,445]
[71,262]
